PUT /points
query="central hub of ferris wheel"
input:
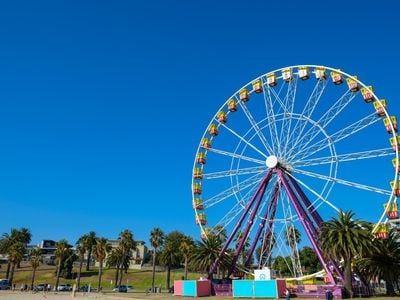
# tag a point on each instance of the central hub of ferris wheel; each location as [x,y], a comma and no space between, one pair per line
[271,161]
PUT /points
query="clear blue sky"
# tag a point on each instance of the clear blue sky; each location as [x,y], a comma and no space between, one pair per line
[103,103]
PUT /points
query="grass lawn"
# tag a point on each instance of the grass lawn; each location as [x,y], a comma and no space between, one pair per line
[141,280]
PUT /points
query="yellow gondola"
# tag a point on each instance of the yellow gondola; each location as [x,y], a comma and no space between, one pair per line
[232,105]
[320,73]
[391,210]
[213,129]
[389,122]
[304,73]
[206,143]
[380,107]
[395,142]
[201,219]
[336,77]
[205,233]
[382,232]
[244,95]
[287,74]
[198,173]
[198,204]
[367,93]
[395,187]
[221,116]
[272,80]
[201,158]
[257,86]
[352,83]
[197,188]
[396,164]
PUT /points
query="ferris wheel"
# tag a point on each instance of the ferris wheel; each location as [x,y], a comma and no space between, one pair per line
[288,150]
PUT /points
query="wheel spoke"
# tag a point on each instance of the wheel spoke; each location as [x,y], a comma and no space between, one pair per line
[256,128]
[229,216]
[287,122]
[327,118]
[233,190]
[318,195]
[235,155]
[344,157]
[271,115]
[244,140]
[307,111]
[337,136]
[228,173]
[344,182]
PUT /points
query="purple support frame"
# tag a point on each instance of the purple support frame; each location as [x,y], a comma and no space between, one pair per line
[269,212]
[317,220]
[308,216]
[264,182]
[305,224]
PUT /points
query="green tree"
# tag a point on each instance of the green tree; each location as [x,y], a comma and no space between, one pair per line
[116,259]
[61,251]
[157,237]
[81,250]
[170,255]
[15,254]
[345,238]
[309,260]
[206,252]
[281,265]
[101,249]
[21,235]
[127,244]
[35,259]
[186,247]
[88,241]
[383,263]
[67,263]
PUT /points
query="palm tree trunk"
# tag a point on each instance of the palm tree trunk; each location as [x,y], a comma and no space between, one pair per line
[154,270]
[79,273]
[116,275]
[168,279]
[100,273]
[58,273]
[186,267]
[8,270]
[89,256]
[33,277]
[121,274]
[348,278]
[12,274]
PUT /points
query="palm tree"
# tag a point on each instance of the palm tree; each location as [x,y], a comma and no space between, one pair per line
[127,244]
[186,247]
[384,262]
[15,254]
[22,235]
[35,259]
[101,249]
[88,240]
[61,251]
[156,240]
[80,247]
[206,252]
[116,259]
[170,255]
[345,238]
